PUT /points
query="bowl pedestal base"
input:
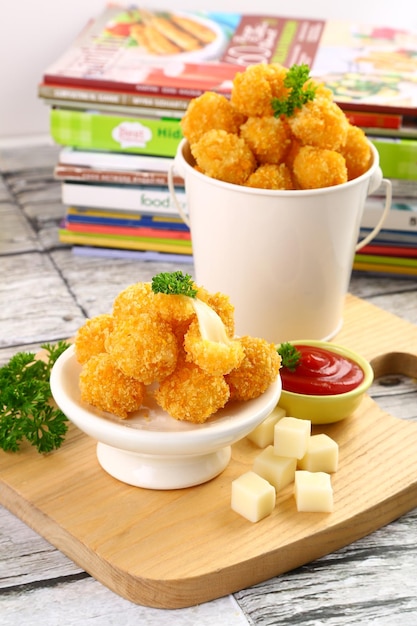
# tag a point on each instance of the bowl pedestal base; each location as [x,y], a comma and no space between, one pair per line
[152,471]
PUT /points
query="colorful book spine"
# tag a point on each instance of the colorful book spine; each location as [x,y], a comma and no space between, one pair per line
[125,242]
[98,131]
[92,97]
[127,219]
[119,177]
[129,231]
[148,200]
[397,157]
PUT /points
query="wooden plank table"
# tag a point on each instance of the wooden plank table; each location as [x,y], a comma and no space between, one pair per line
[45,294]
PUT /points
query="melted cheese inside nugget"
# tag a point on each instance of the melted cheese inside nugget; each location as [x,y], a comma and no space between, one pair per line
[103,385]
[214,357]
[258,370]
[191,394]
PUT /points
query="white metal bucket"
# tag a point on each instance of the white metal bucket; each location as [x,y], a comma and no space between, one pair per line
[283,257]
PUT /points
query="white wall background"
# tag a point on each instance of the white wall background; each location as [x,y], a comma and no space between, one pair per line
[34,32]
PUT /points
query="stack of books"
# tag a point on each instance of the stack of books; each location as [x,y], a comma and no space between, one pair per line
[117,95]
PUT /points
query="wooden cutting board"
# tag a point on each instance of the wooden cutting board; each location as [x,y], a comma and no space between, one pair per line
[172,549]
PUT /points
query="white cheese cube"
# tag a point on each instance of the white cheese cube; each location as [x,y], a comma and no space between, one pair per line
[263,435]
[322,455]
[277,470]
[291,436]
[252,496]
[313,491]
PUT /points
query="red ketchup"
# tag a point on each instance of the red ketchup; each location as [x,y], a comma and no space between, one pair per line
[321,372]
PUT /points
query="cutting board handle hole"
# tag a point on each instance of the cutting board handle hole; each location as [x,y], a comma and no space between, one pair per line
[389,368]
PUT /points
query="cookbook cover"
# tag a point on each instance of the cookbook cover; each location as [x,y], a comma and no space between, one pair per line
[183,53]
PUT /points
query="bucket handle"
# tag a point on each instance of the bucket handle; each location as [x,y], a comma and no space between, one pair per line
[359,245]
[171,188]
[388,197]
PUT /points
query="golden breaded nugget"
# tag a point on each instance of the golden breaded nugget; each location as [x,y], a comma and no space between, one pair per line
[224,156]
[271,176]
[257,371]
[268,137]
[314,168]
[357,152]
[90,339]
[320,123]
[254,89]
[191,394]
[144,347]
[207,112]
[104,386]
[214,357]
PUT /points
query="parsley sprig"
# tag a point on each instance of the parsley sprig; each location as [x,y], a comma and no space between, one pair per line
[298,94]
[174,283]
[26,407]
[290,356]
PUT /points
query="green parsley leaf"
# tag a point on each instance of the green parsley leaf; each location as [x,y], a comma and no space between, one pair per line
[298,94]
[174,283]
[290,356]
[26,407]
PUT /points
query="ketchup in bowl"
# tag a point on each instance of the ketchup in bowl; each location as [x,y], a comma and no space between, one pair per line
[321,372]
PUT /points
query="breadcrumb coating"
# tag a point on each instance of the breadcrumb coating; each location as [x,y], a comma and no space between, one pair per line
[254,89]
[224,156]
[268,137]
[134,299]
[144,348]
[191,394]
[155,340]
[105,386]
[316,167]
[357,152]
[213,126]
[90,339]
[320,123]
[207,112]
[212,356]
[257,371]
[271,176]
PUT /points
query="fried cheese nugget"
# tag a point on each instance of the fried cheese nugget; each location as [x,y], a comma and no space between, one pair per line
[143,347]
[257,371]
[90,338]
[207,112]
[254,89]
[192,395]
[357,152]
[320,123]
[314,168]
[221,304]
[134,299]
[104,386]
[214,357]
[224,156]
[268,137]
[271,176]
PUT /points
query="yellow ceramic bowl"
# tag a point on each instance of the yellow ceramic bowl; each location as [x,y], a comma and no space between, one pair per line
[330,408]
